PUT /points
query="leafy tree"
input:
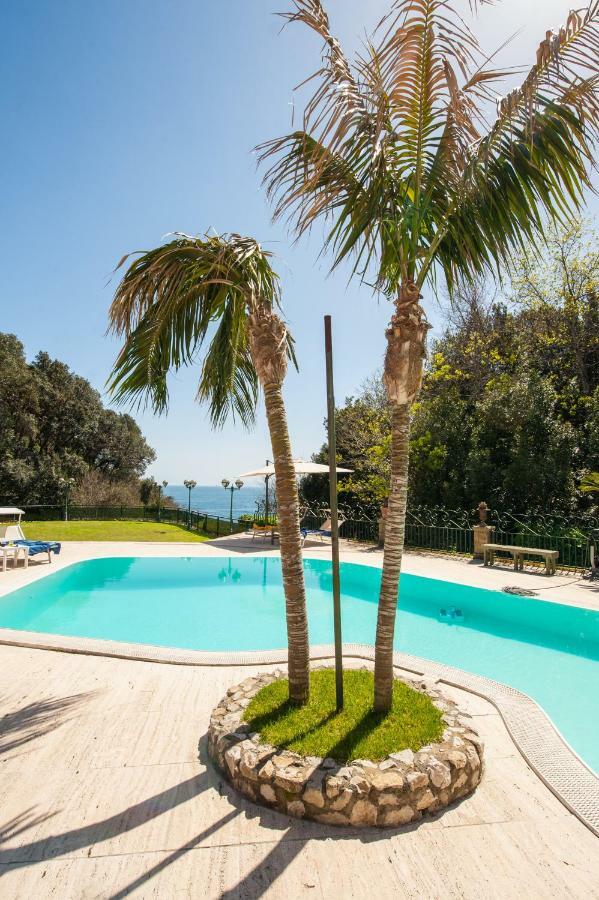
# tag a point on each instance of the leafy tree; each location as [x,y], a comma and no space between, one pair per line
[168,303]
[54,426]
[521,453]
[396,157]
[363,428]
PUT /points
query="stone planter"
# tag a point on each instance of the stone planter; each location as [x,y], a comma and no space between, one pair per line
[399,789]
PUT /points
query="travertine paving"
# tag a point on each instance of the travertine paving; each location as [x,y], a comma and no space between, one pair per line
[102,795]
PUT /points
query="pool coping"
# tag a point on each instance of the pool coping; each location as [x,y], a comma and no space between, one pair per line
[535,735]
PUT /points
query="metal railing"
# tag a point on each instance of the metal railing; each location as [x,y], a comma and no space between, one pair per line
[450,530]
[195,521]
[427,528]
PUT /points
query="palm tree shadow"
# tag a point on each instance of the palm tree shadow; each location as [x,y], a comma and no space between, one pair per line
[34,720]
[273,716]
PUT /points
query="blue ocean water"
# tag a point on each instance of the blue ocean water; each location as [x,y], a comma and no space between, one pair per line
[548,650]
[214,500]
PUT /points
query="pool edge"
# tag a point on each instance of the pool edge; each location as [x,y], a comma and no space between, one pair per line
[533,732]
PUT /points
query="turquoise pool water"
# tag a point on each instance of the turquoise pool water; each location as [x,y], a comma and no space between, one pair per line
[547,650]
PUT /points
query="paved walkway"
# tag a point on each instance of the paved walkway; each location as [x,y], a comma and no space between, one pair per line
[102,795]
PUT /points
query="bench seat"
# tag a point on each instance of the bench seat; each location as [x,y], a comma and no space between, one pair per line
[518,553]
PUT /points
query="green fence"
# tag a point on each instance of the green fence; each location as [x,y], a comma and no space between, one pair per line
[200,522]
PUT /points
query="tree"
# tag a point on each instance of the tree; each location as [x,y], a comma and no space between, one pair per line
[396,158]
[53,426]
[166,305]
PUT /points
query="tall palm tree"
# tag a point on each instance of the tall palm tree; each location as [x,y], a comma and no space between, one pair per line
[419,171]
[223,290]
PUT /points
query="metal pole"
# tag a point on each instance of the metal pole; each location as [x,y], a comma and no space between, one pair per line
[231,511]
[266,502]
[328,347]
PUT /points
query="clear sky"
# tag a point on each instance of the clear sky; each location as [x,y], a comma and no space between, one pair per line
[123,120]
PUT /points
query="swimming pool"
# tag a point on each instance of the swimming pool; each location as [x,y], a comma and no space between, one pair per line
[547,650]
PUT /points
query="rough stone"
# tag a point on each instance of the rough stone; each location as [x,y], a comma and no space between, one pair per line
[268,793]
[426,800]
[439,774]
[232,757]
[291,779]
[334,786]
[416,780]
[405,756]
[388,799]
[313,795]
[331,818]
[363,813]
[397,790]
[296,808]
[342,801]
[390,817]
[387,781]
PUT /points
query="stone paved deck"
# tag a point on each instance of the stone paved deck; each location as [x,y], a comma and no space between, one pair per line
[102,795]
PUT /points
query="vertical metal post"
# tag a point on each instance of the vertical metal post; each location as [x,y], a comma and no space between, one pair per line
[328,346]
[266,501]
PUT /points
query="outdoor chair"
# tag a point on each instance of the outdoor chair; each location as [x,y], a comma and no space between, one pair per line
[323,531]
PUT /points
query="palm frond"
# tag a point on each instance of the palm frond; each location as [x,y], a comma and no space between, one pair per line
[397,158]
[173,299]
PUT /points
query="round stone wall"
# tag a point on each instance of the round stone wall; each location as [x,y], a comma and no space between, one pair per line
[399,789]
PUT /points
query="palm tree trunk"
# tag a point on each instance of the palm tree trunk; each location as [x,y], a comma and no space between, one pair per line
[406,337]
[268,337]
[290,542]
[394,543]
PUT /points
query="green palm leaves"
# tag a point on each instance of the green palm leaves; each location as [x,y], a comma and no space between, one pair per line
[397,155]
[177,297]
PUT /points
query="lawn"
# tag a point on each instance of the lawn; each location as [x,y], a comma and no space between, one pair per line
[111,530]
[357,732]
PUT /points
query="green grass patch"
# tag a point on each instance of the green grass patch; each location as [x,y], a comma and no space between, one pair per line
[358,732]
[98,530]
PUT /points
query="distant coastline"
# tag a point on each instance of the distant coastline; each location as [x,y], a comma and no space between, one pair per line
[214,500]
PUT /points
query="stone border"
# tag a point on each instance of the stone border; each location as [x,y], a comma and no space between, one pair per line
[400,789]
[545,750]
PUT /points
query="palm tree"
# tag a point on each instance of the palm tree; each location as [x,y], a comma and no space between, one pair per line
[219,289]
[397,158]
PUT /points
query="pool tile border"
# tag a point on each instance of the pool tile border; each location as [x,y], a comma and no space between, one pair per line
[543,747]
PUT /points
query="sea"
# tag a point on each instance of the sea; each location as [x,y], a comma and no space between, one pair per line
[215,500]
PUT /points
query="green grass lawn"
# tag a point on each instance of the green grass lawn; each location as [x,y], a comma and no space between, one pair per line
[355,733]
[108,531]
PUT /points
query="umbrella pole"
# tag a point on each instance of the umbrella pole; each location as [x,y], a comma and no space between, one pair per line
[328,345]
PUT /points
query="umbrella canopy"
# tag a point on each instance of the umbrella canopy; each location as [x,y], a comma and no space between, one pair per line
[301,468]
[11,511]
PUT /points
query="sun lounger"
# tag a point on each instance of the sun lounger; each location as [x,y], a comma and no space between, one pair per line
[322,532]
[30,548]
[37,547]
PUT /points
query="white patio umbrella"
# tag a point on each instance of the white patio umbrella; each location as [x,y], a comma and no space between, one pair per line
[301,468]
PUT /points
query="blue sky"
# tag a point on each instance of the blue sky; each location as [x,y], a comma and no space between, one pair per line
[124,120]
